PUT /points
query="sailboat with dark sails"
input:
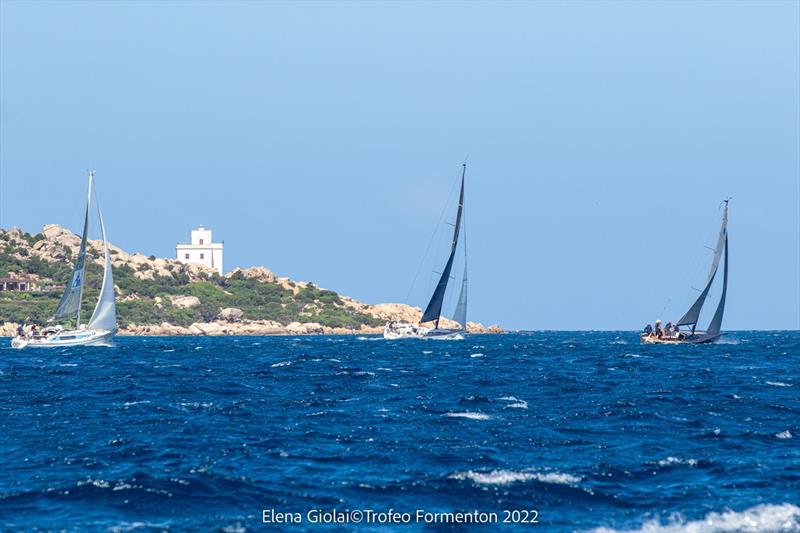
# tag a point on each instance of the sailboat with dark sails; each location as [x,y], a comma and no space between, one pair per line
[103,323]
[433,311]
[691,317]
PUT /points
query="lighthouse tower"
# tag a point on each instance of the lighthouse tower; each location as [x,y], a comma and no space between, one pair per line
[202,250]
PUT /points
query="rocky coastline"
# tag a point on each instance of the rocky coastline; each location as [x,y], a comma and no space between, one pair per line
[201,302]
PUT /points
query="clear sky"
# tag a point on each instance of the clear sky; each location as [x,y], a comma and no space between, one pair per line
[321,140]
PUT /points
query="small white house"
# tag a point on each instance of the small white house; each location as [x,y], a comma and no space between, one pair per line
[202,251]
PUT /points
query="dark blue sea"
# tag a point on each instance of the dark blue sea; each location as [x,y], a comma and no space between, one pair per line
[570,431]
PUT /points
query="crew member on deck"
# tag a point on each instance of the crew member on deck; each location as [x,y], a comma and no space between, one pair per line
[648,330]
[659,332]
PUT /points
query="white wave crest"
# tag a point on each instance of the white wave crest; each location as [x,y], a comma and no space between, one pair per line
[761,518]
[505,477]
[784,434]
[469,414]
[677,461]
[778,384]
[476,355]
[516,403]
[282,363]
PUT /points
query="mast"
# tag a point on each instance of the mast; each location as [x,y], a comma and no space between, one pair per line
[434,309]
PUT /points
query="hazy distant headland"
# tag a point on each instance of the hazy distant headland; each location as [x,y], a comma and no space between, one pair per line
[165,297]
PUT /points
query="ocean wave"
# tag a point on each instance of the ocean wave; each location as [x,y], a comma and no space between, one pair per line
[506,477]
[281,363]
[516,403]
[123,527]
[677,461]
[778,384]
[761,518]
[469,414]
[784,434]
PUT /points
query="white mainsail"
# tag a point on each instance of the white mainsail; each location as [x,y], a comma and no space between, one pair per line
[105,312]
[70,304]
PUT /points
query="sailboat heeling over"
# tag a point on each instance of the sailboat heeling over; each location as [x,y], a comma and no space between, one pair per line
[434,309]
[70,304]
[693,314]
[105,312]
[716,322]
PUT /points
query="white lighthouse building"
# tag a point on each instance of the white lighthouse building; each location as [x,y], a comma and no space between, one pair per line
[202,251]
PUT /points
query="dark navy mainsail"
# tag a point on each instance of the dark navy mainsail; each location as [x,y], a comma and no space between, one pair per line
[434,309]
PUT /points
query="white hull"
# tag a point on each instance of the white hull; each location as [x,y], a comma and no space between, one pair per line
[83,337]
[699,337]
[408,331]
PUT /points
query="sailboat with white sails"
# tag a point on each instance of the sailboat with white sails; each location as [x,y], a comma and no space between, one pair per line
[691,317]
[433,311]
[103,323]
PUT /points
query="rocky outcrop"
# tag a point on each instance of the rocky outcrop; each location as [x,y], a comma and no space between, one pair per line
[184,302]
[261,274]
[231,314]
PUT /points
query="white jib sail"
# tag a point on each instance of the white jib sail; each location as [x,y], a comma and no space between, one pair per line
[104,316]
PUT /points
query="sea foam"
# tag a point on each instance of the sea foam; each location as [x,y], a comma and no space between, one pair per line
[761,518]
[505,477]
[469,414]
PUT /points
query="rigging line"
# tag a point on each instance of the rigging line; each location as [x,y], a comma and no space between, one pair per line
[430,242]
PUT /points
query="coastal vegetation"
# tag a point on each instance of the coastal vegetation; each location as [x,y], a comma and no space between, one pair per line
[156,291]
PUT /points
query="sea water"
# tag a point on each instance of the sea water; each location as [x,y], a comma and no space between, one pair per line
[591,430]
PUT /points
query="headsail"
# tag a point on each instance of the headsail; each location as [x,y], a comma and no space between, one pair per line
[70,304]
[434,308]
[460,314]
[105,312]
[716,322]
[693,314]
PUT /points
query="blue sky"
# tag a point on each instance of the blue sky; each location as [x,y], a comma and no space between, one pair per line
[321,140]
